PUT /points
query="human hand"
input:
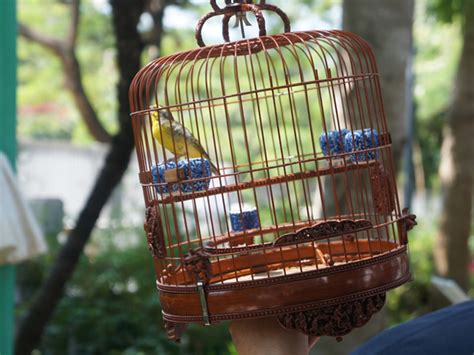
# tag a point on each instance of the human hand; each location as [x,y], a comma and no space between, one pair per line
[266,336]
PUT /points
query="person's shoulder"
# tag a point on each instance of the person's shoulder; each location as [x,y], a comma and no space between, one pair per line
[442,332]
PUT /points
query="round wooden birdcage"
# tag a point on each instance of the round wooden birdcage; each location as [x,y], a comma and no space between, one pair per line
[268,178]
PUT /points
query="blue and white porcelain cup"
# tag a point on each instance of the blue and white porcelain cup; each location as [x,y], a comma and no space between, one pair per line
[244,218]
[197,169]
[332,142]
[359,140]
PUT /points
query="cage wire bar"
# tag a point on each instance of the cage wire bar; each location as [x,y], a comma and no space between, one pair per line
[281,207]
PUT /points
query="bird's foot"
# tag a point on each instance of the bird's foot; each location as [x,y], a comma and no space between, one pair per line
[171,160]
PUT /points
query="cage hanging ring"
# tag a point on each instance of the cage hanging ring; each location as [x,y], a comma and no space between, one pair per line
[214,5]
[232,10]
[233,2]
[262,30]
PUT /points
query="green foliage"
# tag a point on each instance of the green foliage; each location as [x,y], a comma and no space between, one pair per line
[437,48]
[447,10]
[417,297]
[412,299]
[111,304]
[45,108]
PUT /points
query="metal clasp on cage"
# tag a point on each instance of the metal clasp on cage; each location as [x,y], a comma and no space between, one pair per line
[198,264]
[203,301]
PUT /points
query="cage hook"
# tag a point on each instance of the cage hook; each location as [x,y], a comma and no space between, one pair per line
[241,20]
[239,8]
[240,15]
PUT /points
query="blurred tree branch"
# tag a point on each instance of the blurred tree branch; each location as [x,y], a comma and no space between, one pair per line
[153,36]
[153,7]
[53,44]
[65,50]
[125,17]
[74,25]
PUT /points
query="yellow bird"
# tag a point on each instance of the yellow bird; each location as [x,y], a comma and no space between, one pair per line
[177,139]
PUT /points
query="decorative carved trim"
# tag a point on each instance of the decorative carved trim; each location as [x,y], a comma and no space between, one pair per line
[406,224]
[382,191]
[323,230]
[198,264]
[168,272]
[337,320]
[153,230]
[410,219]
[145,177]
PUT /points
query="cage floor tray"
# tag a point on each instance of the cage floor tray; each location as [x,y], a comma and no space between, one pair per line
[278,272]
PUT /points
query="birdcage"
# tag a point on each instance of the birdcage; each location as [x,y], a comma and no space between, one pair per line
[268,179]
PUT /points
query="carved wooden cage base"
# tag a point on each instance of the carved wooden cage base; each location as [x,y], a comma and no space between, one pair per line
[331,301]
[335,321]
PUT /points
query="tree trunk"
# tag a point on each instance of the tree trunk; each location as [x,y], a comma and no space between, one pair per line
[387,26]
[126,15]
[457,167]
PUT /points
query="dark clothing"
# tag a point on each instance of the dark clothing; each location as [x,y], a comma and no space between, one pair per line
[448,331]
